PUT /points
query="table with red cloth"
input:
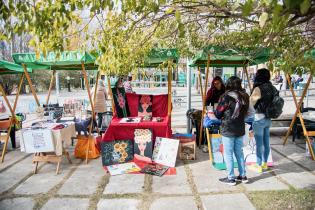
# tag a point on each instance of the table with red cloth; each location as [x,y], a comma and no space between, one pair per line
[125,131]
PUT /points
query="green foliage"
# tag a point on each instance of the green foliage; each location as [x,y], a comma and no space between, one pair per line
[247,8]
[127,29]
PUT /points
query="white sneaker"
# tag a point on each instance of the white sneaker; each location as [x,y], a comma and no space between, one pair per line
[205,149]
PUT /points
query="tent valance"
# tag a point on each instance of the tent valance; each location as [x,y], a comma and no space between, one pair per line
[226,57]
[158,56]
[67,60]
[7,67]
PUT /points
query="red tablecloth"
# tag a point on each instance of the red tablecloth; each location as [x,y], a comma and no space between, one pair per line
[125,131]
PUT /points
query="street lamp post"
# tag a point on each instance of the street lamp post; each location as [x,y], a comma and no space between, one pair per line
[68,83]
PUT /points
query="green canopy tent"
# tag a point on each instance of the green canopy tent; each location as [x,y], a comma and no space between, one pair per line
[219,56]
[159,56]
[67,60]
[5,69]
[226,57]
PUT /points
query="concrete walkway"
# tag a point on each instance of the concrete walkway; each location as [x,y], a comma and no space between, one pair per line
[195,186]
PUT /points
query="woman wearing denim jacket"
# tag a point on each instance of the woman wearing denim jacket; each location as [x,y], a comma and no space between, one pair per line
[260,99]
[232,109]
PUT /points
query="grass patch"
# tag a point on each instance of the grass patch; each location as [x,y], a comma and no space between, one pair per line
[286,199]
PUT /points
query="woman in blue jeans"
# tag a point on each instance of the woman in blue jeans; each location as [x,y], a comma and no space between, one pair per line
[260,99]
[232,109]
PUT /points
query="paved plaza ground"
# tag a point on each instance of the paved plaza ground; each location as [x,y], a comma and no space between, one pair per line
[290,184]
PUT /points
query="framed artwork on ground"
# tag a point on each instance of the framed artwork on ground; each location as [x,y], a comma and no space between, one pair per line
[143,144]
[165,151]
[115,152]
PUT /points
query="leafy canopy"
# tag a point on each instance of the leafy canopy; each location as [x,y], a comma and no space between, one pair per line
[122,32]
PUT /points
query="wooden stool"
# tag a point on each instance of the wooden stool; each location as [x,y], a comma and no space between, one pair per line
[187,146]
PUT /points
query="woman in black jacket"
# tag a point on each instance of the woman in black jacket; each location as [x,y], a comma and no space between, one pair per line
[232,109]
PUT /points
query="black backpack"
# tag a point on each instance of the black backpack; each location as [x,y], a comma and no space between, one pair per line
[274,109]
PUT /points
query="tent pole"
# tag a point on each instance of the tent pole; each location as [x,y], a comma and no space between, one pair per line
[92,107]
[50,86]
[6,100]
[7,139]
[298,105]
[188,95]
[204,94]
[18,93]
[299,114]
[94,97]
[169,105]
[248,79]
[10,125]
[13,118]
[200,82]
[31,85]
[110,92]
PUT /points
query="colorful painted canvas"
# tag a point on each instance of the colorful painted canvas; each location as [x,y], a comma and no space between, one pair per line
[145,106]
[217,152]
[115,152]
[124,168]
[249,149]
[143,144]
[121,106]
[165,151]
[154,169]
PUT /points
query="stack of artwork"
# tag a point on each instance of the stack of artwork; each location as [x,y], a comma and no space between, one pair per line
[139,156]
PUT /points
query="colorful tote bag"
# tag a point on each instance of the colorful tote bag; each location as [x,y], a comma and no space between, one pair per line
[115,152]
[121,106]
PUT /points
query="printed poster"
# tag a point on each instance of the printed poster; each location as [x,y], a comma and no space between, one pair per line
[124,168]
[165,151]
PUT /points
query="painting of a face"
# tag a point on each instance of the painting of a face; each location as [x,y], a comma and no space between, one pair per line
[145,106]
[142,146]
[143,143]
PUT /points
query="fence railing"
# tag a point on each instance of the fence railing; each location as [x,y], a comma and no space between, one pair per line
[152,84]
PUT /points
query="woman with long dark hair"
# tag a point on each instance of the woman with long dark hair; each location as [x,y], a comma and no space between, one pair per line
[260,98]
[232,109]
[216,90]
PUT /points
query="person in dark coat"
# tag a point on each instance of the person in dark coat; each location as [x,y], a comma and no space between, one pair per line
[232,110]
[216,90]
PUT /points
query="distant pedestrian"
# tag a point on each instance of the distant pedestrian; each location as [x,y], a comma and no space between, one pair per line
[100,101]
[127,85]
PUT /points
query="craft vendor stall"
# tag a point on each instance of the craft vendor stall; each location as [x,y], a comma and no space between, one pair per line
[68,60]
[8,124]
[217,56]
[147,107]
[140,130]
